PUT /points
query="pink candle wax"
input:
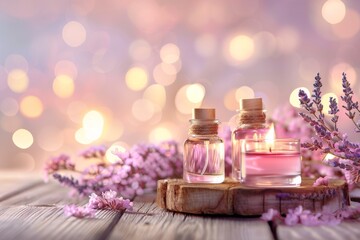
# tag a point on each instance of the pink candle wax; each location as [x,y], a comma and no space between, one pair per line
[273,163]
[237,136]
[278,165]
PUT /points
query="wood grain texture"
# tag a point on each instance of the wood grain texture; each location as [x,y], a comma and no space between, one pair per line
[37,213]
[30,209]
[151,222]
[348,230]
[12,183]
[234,198]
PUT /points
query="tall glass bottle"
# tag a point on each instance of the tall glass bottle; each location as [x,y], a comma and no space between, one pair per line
[204,149]
[252,125]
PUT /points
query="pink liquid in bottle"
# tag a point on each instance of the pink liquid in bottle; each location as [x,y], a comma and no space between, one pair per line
[251,125]
[204,149]
[203,160]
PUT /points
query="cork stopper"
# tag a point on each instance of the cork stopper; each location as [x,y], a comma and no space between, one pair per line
[251,104]
[251,111]
[203,122]
[204,113]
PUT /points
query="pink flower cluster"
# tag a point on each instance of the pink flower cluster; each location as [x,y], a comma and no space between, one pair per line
[306,217]
[58,163]
[136,171]
[108,201]
[321,181]
[79,212]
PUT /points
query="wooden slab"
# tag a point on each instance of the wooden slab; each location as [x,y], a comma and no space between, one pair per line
[233,198]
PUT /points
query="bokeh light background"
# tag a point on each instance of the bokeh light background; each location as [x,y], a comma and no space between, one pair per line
[81,72]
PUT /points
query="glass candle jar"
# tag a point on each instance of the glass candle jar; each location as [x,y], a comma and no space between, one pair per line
[204,149]
[270,163]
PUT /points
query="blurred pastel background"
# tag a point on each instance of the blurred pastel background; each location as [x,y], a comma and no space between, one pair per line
[75,73]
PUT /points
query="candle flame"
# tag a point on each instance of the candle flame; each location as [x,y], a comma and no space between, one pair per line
[270,136]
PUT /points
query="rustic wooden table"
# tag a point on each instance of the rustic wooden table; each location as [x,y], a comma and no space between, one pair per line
[32,209]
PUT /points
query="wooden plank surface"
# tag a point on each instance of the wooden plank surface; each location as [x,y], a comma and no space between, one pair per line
[234,198]
[151,222]
[36,213]
[349,230]
[12,183]
[31,209]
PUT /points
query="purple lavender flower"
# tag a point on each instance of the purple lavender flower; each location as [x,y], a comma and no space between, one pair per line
[270,215]
[79,212]
[350,105]
[321,181]
[334,110]
[137,172]
[305,217]
[109,201]
[291,219]
[61,162]
[305,101]
[94,152]
[332,141]
[317,96]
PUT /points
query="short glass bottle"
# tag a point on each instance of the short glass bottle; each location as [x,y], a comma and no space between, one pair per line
[252,125]
[204,149]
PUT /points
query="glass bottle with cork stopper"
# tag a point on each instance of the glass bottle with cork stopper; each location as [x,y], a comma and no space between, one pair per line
[204,149]
[251,125]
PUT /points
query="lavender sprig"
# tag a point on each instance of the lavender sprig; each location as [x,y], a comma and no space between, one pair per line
[136,172]
[55,164]
[350,106]
[328,139]
[317,97]
[334,110]
[94,152]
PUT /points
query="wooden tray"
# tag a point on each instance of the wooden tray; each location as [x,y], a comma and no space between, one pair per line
[233,198]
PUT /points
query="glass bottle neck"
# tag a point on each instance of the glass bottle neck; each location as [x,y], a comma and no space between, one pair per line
[203,127]
[254,117]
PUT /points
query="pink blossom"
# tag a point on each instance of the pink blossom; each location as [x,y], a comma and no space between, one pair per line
[94,152]
[291,219]
[136,173]
[61,162]
[270,215]
[109,201]
[79,212]
[109,194]
[300,216]
[321,181]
